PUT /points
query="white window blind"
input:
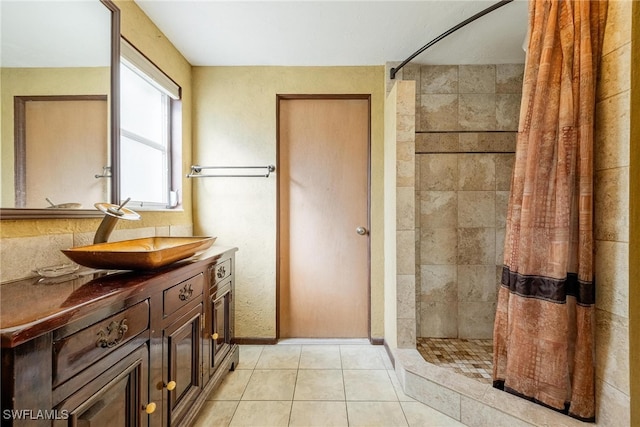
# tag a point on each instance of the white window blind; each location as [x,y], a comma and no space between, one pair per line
[137,62]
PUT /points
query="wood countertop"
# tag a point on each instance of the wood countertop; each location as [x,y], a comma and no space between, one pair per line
[34,306]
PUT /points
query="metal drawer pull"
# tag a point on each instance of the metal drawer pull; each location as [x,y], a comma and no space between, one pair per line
[171,385]
[105,338]
[221,272]
[186,292]
[214,336]
[150,408]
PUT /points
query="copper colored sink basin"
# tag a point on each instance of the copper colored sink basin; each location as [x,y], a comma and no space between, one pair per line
[138,254]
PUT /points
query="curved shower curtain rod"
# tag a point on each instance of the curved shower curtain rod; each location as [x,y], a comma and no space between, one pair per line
[446,33]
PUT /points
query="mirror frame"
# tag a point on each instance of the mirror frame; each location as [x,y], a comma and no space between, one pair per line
[114,139]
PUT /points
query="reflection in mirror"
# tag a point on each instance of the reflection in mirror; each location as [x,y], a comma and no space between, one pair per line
[56,84]
[47,129]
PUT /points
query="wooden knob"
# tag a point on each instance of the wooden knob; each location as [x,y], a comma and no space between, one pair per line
[150,408]
[171,385]
[214,336]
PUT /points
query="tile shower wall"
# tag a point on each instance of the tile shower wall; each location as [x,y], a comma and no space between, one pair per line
[405,219]
[466,130]
[612,195]
[463,200]
[613,152]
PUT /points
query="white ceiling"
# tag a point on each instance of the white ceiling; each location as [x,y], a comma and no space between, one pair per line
[338,32]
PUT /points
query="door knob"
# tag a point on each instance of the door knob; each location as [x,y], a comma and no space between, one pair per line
[171,385]
[362,231]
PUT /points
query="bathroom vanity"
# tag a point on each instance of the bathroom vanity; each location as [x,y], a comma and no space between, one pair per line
[126,348]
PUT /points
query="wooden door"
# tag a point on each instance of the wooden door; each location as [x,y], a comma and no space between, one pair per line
[63,144]
[323,174]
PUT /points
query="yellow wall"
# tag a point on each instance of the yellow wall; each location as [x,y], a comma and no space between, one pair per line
[634,226]
[235,124]
[142,33]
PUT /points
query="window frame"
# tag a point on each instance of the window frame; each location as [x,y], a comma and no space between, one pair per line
[135,61]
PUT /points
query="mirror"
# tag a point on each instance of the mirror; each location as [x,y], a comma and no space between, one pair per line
[60,119]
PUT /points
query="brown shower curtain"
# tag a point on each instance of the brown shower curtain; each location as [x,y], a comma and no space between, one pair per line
[544,327]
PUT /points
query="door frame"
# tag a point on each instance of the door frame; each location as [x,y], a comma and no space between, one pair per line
[287,97]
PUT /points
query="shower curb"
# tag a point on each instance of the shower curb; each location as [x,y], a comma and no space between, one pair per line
[468,401]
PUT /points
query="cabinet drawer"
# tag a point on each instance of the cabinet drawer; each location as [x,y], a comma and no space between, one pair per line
[77,351]
[220,271]
[182,293]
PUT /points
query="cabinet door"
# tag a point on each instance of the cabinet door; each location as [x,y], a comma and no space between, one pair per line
[117,397]
[221,334]
[182,349]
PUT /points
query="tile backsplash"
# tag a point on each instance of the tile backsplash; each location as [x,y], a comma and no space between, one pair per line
[19,256]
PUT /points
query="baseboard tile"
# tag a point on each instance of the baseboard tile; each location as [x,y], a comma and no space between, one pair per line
[254,341]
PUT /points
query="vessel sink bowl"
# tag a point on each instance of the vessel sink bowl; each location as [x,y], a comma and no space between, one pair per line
[138,254]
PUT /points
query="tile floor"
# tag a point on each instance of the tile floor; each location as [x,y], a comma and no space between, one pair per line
[471,358]
[314,384]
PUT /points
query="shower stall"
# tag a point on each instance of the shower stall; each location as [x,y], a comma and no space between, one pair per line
[465,135]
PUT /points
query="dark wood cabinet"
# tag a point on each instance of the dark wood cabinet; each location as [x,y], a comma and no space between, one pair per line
[117,397]
[220,323]
[74,353]
[182,351]
[221,300]
[126,349]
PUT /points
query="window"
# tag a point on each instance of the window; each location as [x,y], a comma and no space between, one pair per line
[148,144]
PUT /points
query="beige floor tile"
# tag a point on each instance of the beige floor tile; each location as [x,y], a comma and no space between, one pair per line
[398,388]
[368,385]
[249,355]
[385,357]
[320,357]
[216,414]
[383,414]
[279,357]
[307,396]
[360,357]
[319,384]
[275,384]
[262,414]
[420,415]
[233,386]
[321,414]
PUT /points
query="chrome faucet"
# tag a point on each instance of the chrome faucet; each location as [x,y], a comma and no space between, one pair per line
[112,214]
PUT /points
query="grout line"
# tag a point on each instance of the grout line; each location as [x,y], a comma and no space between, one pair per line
[234,412]
[464,152]
[344,390]
[291,404]
[324,341]
[404,414]
[295,385]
